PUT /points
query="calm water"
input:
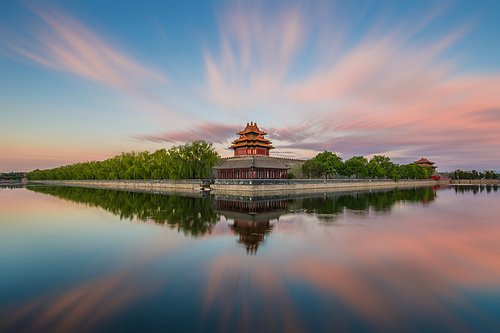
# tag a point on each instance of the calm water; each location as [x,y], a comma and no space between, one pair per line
[84,260]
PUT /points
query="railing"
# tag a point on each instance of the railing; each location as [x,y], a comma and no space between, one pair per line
[303,181]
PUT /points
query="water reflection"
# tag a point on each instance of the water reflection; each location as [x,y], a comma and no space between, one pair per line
[12,186]
[475,189]
[434,270]
[429,265]
[252,216]
[80,308]
[328,206]
[191,215]
[252,219]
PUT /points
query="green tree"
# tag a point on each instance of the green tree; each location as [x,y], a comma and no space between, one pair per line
[204,157]
[376,170]
[396,172]
[357,165]
[385,162]
[333,164]
[193,160]
[313,169]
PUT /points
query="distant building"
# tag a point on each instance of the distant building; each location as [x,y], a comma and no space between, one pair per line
[251,158]
[426,163]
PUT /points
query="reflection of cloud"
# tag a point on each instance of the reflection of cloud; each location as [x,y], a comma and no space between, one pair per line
[78,309]
[431,260]
[82,307]
[382,272]
[232,292]
[68,46]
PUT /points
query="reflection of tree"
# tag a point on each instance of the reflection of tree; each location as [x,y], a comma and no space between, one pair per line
[475,189]
[12,186]
[327,207]
[193,216]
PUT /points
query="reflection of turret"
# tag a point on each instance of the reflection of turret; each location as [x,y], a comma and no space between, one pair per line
[252,219]
[250,234]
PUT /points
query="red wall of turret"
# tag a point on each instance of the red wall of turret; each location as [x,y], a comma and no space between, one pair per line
[241,152]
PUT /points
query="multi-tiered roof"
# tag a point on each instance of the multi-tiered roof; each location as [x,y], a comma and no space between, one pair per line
[426,163]
[251,142]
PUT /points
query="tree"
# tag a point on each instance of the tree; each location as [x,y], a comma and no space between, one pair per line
[385,162]
[376,170]
[205,157]
[312,168]
[396,173]
[356,165]
[332,163]
[295,171]
[380,159]
[193,160]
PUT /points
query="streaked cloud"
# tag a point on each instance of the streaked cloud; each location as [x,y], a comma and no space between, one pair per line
[256,53]
[211,132]
[64,44]
[394,89]
[316,76]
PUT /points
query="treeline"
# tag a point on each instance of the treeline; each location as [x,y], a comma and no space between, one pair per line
[193,160]
[379,166]
[11,175]
[475,175]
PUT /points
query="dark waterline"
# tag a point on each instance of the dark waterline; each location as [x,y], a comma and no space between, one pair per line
[80,259]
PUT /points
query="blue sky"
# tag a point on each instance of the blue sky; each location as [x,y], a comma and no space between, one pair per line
[86,80]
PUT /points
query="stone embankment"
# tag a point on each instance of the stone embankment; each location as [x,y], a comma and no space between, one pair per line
[183,185]
[251,187]
[275,186]
[474,181]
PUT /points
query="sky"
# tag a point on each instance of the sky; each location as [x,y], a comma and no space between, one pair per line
[87,80]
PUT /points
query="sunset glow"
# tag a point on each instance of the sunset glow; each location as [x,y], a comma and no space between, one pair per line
[87,81]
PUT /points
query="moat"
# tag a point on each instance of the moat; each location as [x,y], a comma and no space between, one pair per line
[81,259]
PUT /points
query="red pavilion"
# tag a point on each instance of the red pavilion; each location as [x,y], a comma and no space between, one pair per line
[251,158]
[426,163]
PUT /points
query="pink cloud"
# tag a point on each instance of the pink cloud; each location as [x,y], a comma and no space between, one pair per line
[394,91]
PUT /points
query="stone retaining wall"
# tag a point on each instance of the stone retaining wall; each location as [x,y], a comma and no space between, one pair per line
[154,185]
[251,187]
[275,186]
[475,181]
